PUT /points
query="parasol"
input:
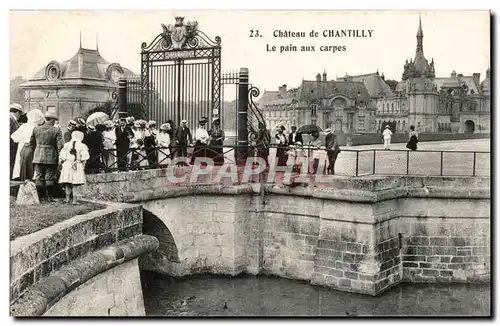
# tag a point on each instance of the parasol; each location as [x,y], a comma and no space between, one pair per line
[97,118]
[307,129]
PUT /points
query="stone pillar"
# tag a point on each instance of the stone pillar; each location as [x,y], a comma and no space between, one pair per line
[242,132]
[122,98]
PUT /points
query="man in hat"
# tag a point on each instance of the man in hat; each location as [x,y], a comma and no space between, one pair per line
[293,137]
[72,125]
[332,150]
[387,137]
[183,138]
[16,110]
[46,143]
[123,135]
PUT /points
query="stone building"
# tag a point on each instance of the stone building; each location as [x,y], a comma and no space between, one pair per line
[364,103]
[343,105]
[73,87]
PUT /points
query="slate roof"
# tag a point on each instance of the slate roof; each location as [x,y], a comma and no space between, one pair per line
[374,84]
[86,67]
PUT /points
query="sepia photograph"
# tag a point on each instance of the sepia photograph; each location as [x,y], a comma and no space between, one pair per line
[240,163]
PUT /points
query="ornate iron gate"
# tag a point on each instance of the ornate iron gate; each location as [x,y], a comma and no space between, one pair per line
[180,75]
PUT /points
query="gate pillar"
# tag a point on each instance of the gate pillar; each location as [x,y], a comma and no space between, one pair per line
[242,132]
[122,98]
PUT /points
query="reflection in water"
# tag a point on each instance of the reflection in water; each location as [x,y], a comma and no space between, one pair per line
[272,296]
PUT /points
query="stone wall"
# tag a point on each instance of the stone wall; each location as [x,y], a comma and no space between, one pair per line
[37,255]
[359,234]
[116,292]
[105,282]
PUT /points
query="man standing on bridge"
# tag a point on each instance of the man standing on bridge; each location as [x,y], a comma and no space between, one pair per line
[387,137]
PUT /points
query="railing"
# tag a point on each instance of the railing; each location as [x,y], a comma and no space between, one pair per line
[349,162]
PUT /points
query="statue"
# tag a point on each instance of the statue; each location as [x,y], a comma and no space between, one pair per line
[179,33]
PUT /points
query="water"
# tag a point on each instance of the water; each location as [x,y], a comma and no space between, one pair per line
[272,296]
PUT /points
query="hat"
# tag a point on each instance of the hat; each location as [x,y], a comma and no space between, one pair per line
[216,121]
[91,128]
[327,131]
[202,122]
[298,143]
[142,123]
[164,126]
[81,121]
[387,127]
[283,128]
[152,123]
[72,123]
[184,121]
[51,115]
[16,106]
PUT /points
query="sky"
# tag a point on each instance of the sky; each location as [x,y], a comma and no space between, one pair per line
[457,40]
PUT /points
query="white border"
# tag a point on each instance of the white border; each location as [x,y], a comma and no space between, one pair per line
[196,4]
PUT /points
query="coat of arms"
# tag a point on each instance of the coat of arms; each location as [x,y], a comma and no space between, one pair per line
[179,33]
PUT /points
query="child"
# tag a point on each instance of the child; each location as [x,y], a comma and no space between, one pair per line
[73,157]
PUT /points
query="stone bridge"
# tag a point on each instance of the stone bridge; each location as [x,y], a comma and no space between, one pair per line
[355,234]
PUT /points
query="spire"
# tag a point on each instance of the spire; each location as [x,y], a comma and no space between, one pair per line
[80,39]
[420,36]
[97,42]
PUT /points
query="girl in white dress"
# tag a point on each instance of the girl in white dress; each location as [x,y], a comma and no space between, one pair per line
[72,157]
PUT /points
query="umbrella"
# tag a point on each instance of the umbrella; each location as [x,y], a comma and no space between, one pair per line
[97,118]
[307,129]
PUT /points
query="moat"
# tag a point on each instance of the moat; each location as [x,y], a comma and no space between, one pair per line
[271,296]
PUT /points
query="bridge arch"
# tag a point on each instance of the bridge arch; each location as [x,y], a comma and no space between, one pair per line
[154,226]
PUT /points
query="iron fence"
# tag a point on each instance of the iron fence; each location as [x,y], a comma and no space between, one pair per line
[349,162]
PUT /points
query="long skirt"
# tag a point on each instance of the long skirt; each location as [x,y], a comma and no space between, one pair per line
[216,152]
[200,150]
[163,157]
[26,171]
[281,156]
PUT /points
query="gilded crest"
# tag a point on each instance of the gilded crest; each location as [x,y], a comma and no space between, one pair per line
[180,33]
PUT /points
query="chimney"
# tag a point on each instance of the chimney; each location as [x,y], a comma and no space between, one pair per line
[477,77]
[383,77]
[282,90]
[460,75]
[324,76]
[318,78]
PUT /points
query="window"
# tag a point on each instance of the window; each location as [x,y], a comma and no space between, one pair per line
[361,123]
[392,105]
[326,120]
[51,109]
[383,107]
[314,108]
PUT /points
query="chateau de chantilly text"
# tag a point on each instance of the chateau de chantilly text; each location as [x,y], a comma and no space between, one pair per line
[332,38]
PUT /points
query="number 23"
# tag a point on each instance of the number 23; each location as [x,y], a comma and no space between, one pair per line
[254,33]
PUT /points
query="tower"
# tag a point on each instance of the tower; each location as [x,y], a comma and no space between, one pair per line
[422,93]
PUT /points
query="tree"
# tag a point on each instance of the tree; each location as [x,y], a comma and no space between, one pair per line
[16,93]
[392,84]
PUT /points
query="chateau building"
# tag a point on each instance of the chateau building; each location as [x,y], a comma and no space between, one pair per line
[366,103]
[73,87]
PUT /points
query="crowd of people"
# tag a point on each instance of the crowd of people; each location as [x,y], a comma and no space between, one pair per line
[291,149]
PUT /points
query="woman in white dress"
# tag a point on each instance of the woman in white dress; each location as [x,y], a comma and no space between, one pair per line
[23,165]
[163,140]
[72,157]
[109,145]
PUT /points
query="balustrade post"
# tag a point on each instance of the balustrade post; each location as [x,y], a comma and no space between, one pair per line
[122,98]
[242,132]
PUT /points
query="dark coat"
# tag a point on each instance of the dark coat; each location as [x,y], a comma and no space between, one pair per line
[46,142]
[122,137]
[298,138]
[331,143]
[183,135]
